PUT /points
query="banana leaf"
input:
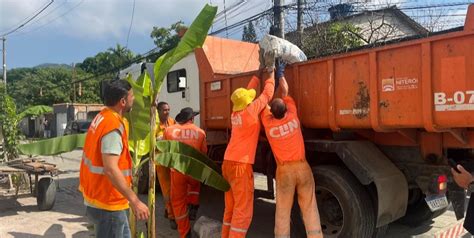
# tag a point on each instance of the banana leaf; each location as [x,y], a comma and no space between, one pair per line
[142,146]
[189,161]
[145,82]
[35,111]
[54,146]
[139,117]
[193,38]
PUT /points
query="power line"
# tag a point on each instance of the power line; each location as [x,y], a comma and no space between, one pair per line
[242,22]
[31,18]
[149,53]
[24,19]
[131,23]
[47,14]
[54,19]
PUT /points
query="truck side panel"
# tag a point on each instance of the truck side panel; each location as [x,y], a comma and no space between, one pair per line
[443,64]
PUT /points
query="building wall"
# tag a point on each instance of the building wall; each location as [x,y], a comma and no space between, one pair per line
[66,112]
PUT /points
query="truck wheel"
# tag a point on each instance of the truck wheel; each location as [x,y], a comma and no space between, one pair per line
[46,194]
[417,210]
[345,207]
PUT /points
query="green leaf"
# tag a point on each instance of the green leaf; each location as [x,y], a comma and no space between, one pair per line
[54,146]
[144,81]
[139,117]
[191,162]
[142,146]
[35,111]
[193,38]
[146,85]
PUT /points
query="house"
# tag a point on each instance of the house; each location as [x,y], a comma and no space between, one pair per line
[374,26]
[66,112]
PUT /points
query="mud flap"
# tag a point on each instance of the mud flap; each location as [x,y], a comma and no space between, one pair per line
[370,165]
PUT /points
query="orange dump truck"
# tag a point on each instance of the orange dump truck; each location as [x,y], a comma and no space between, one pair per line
[379,123]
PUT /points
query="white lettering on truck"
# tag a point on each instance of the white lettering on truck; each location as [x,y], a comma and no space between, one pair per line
[458,101]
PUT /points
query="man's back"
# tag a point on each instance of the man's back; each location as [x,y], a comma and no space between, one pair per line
[284,135]
[189,134]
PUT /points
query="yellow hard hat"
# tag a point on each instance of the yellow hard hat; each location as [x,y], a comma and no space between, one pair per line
[242,97]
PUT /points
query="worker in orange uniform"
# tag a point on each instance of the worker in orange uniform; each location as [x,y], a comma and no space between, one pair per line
[163,173]
[240,155]
[106,166]
[184,189]
[283,130]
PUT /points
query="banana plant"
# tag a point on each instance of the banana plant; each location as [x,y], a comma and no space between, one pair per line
[143,122]
[35,111]
[53,146]
[145,93]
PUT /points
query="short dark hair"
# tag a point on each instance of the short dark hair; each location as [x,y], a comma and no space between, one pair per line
[161,104]
[115,90]
[278,108]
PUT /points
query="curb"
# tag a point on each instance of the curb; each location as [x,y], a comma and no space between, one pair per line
[455,231]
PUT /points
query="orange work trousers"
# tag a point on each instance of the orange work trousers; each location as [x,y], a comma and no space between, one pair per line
[238,200]
[164,178]
[184,191]
[291,177]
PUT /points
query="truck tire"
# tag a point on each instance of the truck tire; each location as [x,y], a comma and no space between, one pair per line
[46,194]
[345,206]
[418,211]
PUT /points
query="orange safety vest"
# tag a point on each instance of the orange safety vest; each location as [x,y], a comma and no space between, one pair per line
[95,186]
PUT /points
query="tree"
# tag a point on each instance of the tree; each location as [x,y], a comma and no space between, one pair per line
[8,127]
[167,38]
[330,38]
[249,34]
[47,86]
[109,61]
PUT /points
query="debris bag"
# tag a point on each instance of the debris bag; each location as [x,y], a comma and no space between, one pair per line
[272,47]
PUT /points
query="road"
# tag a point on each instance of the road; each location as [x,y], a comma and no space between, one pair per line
[20,218]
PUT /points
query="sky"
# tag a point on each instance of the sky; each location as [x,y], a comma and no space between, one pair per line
[68,31]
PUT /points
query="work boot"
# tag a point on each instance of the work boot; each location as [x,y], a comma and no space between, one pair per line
[173,224]
[193,210]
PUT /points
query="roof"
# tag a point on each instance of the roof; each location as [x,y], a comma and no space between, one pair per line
[408,21]
[401,15]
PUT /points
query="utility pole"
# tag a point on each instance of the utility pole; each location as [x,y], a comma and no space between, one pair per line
[4,53]
[278,22]
[73,84]
[299,20]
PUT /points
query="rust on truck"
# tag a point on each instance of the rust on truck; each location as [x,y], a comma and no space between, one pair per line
[389,93]
[386,117]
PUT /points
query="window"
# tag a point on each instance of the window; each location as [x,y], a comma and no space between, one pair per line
[176,81]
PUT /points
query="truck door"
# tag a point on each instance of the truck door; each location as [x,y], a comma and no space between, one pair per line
[181,87]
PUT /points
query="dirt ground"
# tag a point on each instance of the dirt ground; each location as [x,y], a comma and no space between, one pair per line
[20,217]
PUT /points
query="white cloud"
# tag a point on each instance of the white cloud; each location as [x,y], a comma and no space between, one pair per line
[97,19]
